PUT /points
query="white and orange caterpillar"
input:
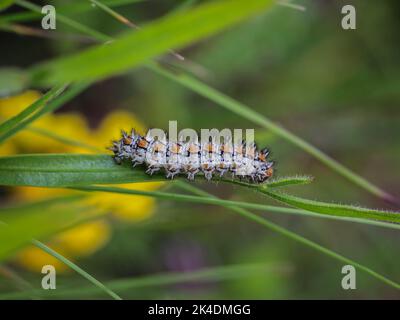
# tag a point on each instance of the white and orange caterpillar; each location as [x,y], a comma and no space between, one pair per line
[210,158]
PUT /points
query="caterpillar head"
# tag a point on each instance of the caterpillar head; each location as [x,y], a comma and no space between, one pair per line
[264,172]
[124,147]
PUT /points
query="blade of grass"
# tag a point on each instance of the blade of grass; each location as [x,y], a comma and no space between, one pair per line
[127,22]
[54,104]
[291,5]
[76,268]
[40,220]
[64,19]
[298,238]
[360,216]
[319,206]
[40,33]
[134,48]
[75,7]
[24,286]
[113,13]
[161,279]
[332,208]
[64,140]
[40,103]
[287,181]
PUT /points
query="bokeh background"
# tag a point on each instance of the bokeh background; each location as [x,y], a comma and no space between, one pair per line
[339,90]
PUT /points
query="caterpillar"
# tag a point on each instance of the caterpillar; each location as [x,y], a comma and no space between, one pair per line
[243,161]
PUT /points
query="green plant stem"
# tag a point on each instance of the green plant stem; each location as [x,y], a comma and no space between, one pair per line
[217,201]
[26,289]
[79,270]
[219,273]
[64,19]
[112,12]
[68,141]
[54,104]
[11,126]
[40,103]
[289,234]
[75,7]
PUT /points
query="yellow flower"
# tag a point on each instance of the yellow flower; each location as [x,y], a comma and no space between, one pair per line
[88,237]
[67,125]
[84,239]
[7,148]
[79,241]
[33,259]
[32,139]
[10,106]
[127,207]
[110,127]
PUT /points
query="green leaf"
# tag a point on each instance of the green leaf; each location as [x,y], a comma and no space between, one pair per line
[12,81]
[55,170]
[332,208]
[277,182]
[136,47]
[58,170]
[19,225]
[288,181]
[241,204]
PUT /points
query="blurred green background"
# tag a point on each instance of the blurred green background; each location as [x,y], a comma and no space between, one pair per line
[339,90]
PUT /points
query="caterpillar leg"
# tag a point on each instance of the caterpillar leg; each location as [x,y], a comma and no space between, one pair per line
[208,175]
[118,160]
[171,175]
[135,163]
[222,172]
[191,174]
[151,170]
